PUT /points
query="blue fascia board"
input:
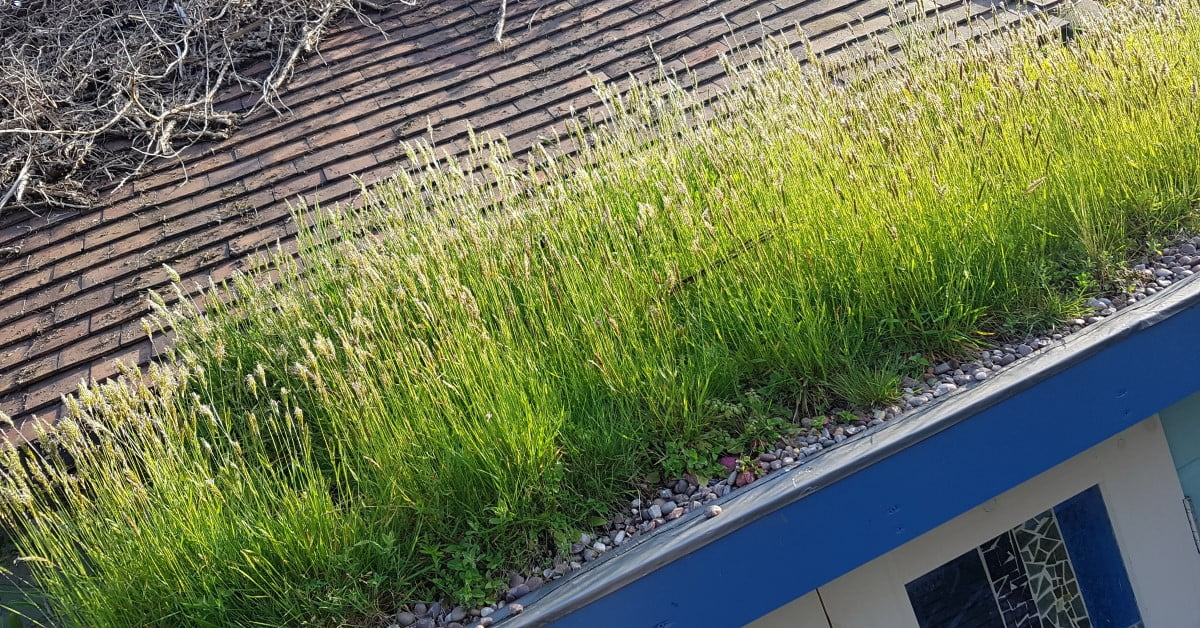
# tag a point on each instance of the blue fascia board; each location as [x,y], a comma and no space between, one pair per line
[1093,389]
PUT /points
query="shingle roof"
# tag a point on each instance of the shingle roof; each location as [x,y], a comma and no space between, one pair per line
[72,299]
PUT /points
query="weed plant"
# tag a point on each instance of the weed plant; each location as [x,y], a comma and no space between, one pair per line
[427,398]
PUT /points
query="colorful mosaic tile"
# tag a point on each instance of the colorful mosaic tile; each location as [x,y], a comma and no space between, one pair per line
[1060,569]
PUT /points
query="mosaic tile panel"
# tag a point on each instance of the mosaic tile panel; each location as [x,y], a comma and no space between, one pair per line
[1060,569]
[955,594]
[1010,582]
[1051,576]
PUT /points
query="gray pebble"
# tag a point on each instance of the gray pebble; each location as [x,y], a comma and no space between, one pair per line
[681,486]
[406,618]
[534,583]
[637,503]
[589,554]
[1024,350]
[941,369]
[619,538]
[1162,273]
[943,389]
[776,465]
[599,547]
[517,592]
[666,508]
[484,622]
[980,375]
[674,514]
[486,611]
[458,614]
[516,609]
[1187,248]
[1007,359]
[425,622]
[712,511]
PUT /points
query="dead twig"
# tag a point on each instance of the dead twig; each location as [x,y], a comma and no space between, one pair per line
[499,33]
[95,91]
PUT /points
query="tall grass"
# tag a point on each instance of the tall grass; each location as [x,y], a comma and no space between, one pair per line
[428,399]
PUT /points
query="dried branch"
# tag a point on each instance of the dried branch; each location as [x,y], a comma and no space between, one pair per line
[499,33]
[95,91]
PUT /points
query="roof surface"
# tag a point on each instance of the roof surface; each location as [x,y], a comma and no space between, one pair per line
[72,299]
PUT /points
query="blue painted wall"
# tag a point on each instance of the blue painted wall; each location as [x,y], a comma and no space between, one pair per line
[782,556]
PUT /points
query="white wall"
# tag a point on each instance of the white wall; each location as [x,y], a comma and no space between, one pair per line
[1141,491]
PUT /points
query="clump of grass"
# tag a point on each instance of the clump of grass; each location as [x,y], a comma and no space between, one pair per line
[429,398]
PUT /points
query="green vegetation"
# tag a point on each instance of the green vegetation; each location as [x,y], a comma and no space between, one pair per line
[446,398]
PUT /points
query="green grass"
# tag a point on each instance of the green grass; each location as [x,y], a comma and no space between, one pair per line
[428,406]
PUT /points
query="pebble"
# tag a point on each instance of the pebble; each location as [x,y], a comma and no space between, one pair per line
[533,583]
[712,511]
[517,592]
[666,508]
[589,555]
[944,389]
[599,547]
[484,622]
[406,618]
[980,375]
[425,622]
[682,486]
[486,611]
[619,538]
[674,514]
[516,609]
[653,512]
[458,614]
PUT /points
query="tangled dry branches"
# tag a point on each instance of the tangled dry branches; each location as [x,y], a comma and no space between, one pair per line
[92,90]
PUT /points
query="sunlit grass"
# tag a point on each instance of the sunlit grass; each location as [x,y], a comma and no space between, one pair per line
[442,399]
